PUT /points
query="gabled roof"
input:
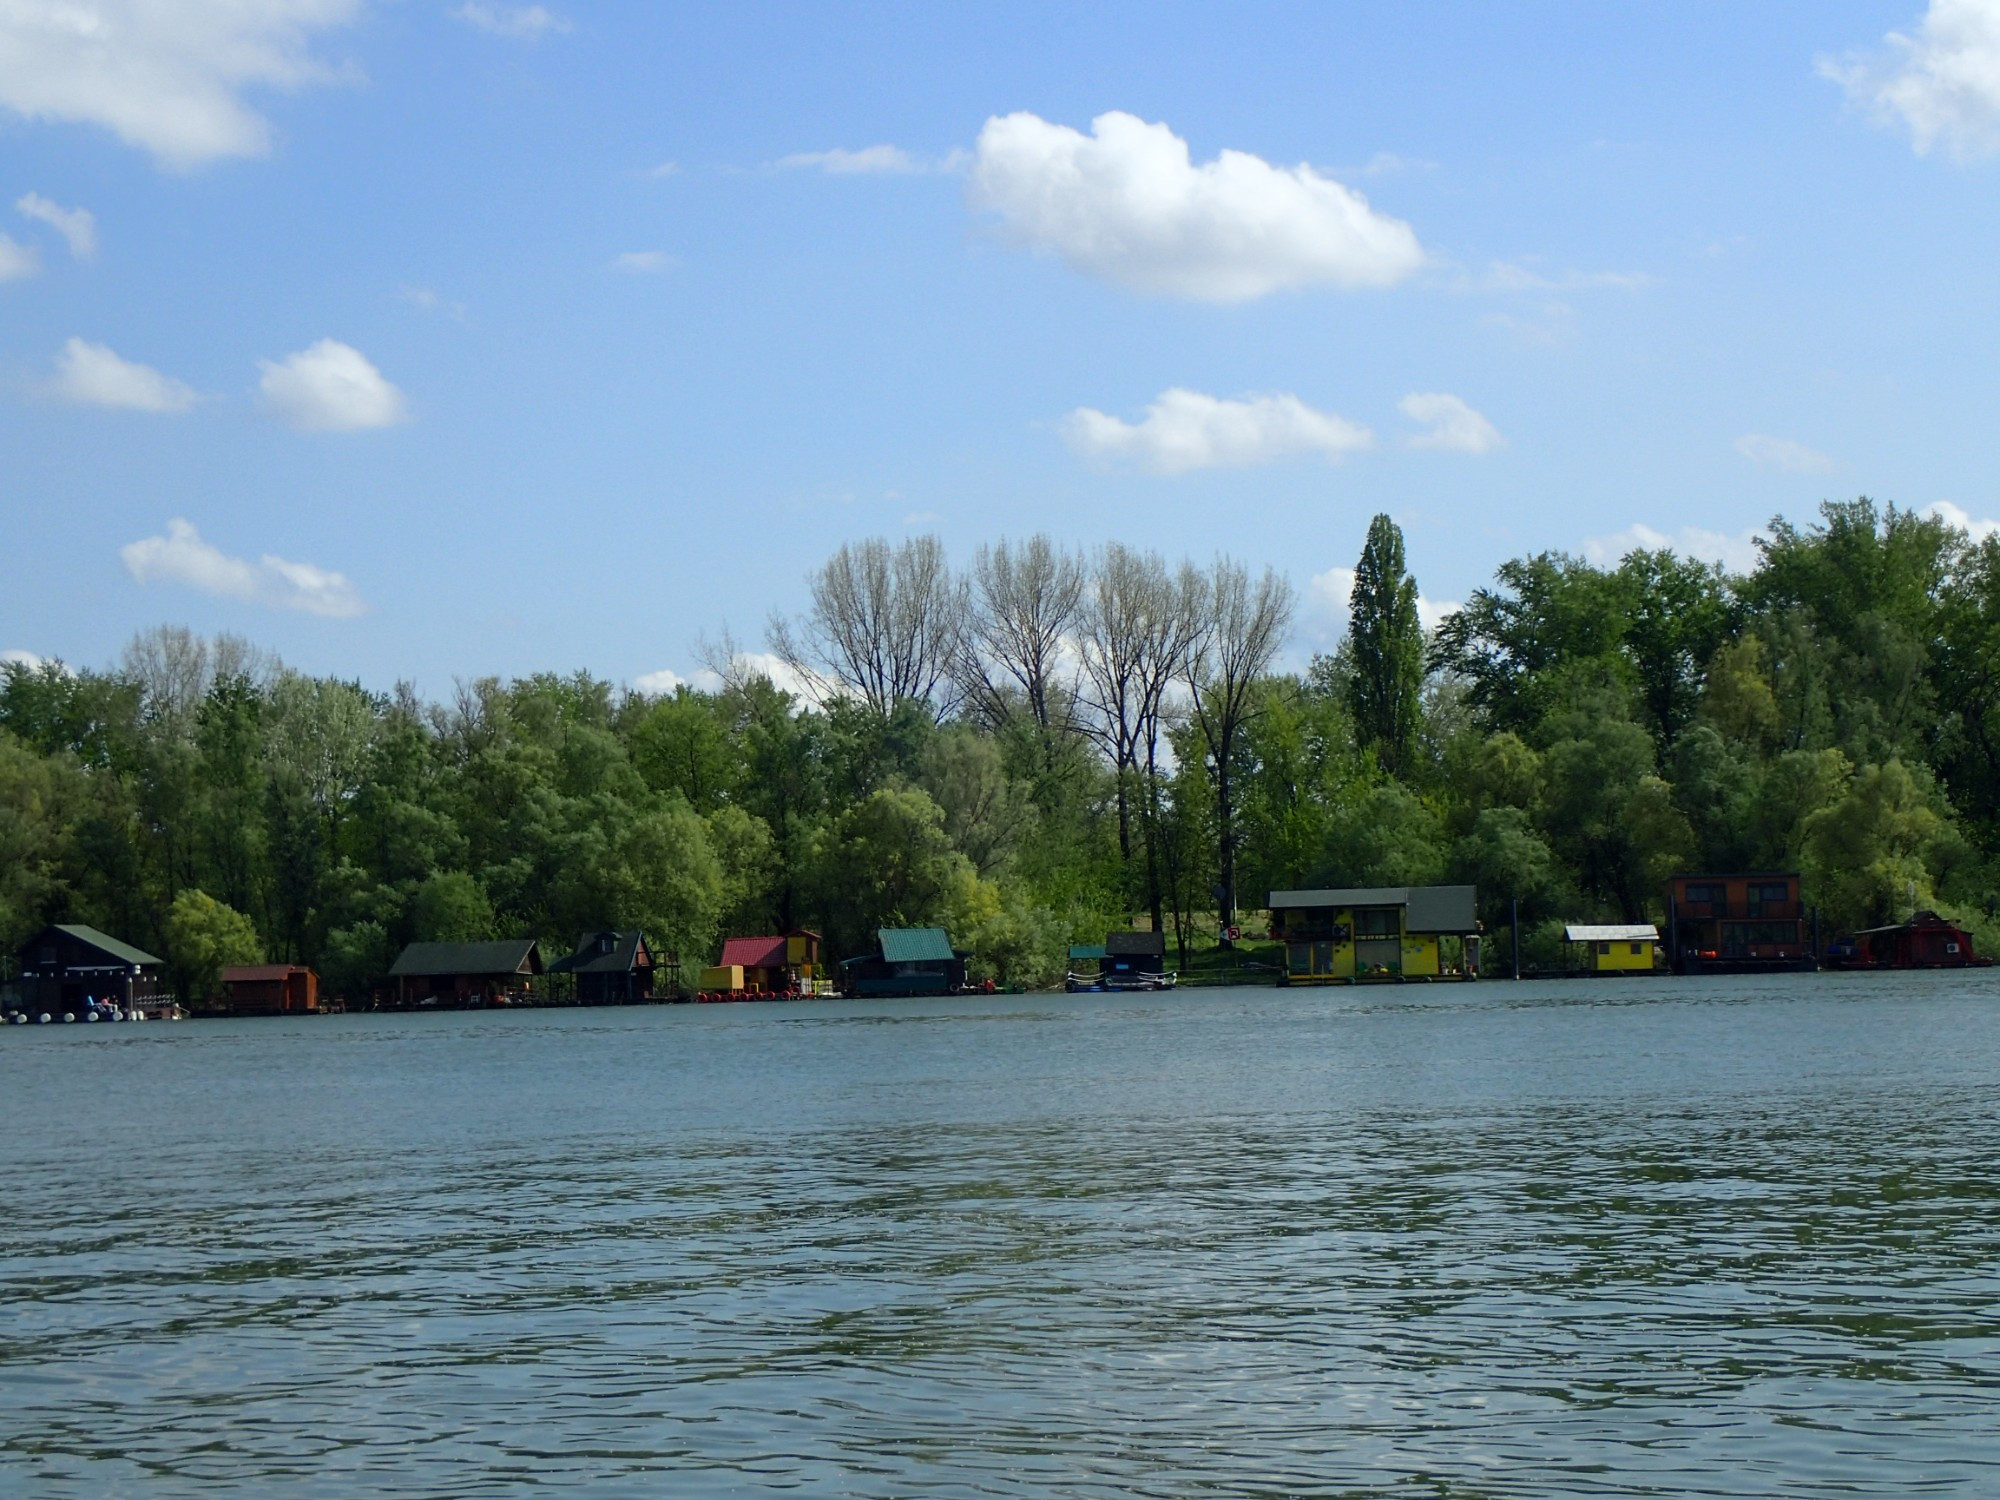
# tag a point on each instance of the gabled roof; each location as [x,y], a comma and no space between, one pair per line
[1428,908]
[1365,895]
[108,945]
[506,956]
[1080,951]
[754,952]
[914,945]
[1611,932]
[605,953]
[1135,944]
[261,973]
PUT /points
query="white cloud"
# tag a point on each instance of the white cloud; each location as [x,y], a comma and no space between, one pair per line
[1736,553]
[661,683]
[93,375]
[1454,426]
[427,299]
[1186,430]
[16,259]
[1782,453]
[330,387]
[76,225]
[181,556]
[19,658]
[1942,85]
[528,23]
[1956,515]
[868,161]
[644,262]
[166,76]
[1327,606]
[1127,204]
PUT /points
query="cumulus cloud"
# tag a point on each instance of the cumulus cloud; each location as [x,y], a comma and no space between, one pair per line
[1782,453]
[659,684]
[1454,426]
[1977,529]
[330,387]
[1327,606]
[18,658]
[643,262]
[16,259]
[181,556]
[1737,553]
[166,76]
[1126,203]
[76,225]
[1185,430]
[1942,84]
[93,375]
[528,23]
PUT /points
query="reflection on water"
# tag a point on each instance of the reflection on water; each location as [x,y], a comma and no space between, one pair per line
[1729,1238]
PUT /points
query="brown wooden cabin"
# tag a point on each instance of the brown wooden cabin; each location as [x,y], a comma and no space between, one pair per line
[64,965]
[1926,941]
[611,968]
[270,990]
[456,975]
[1750,923]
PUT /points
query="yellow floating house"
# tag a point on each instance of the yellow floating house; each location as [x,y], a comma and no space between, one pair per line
[1377,933]
[1616,948]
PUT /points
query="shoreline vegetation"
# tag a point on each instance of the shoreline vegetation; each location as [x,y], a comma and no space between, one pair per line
[1046,745]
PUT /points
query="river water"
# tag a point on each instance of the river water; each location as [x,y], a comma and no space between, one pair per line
[1665,1237]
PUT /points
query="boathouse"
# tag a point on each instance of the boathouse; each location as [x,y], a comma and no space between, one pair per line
[461,974]
[64,965]
[1615,948]
[786,964]
[270,990]
[1926,941]
[1738,924]
[611,968]
[906,961]
[1377,933]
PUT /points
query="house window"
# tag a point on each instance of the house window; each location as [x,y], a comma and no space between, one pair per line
[1704,895]
[1603,947]
[1382,922]
[1638,949]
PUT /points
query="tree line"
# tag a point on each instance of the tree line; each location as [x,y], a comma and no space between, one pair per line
[1048,744]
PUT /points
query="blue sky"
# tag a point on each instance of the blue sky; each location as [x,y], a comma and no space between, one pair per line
[418,339]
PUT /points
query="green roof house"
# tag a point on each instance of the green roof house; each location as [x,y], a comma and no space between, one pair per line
[906,961]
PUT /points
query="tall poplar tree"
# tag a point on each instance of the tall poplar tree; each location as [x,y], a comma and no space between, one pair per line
[1387,640]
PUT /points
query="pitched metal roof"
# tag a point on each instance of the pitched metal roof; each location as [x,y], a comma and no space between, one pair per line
[914,945]
[754,952]
[604,953]
[1366,895]
[261,973]
[1088,950]
[504,956]
[107,944]
[1135,944]
[1611,932]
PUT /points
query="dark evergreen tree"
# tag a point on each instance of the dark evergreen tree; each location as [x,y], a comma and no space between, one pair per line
[1388,649]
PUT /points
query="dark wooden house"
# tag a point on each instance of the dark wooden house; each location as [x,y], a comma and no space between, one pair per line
[906,961]
[270,990]
[463,974]
[1926,941]
[68,964]
[611,968]
[1752,923]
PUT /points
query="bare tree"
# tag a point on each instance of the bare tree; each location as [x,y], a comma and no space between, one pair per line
[1023,601]
[175,668]
[1137,626]
[1246,627]
[884,623]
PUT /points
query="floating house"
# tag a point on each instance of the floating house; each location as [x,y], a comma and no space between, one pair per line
[1123,961]
[611,968]
[1926,941]
[1738,924]
[270,990]
[464,974]
[906,961]
[1616,948]
[1377,933]
[63,966]
[786,964]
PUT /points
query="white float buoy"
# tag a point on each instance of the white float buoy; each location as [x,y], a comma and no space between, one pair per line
[44,1018]
[68,1017]
[90,1015]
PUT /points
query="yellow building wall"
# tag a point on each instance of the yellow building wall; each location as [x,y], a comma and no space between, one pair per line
[795,950]
[1621,958]
[1340,960]
[1420,953]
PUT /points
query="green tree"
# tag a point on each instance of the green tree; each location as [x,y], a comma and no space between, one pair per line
[1388,650]
[451,908]
[886,862]
[204,937]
